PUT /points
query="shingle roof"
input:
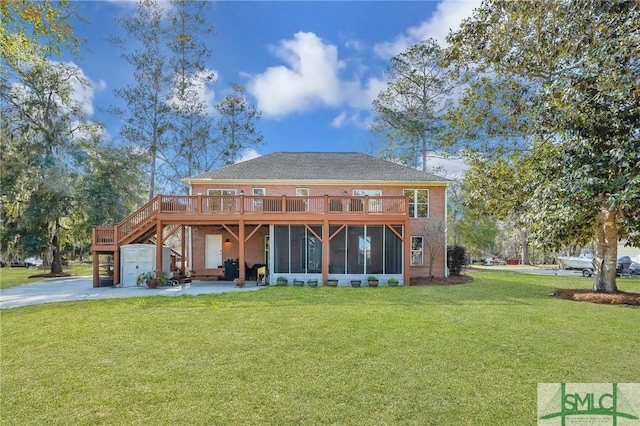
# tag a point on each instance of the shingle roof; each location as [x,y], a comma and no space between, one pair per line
[318,166]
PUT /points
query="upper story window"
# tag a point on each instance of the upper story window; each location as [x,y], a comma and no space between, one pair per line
[221,199]
[258,203]
[374,205]
[221,191]
[371,192]
[418,202]
[302,192]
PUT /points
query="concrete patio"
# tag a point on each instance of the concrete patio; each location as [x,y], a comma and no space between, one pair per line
[80,288]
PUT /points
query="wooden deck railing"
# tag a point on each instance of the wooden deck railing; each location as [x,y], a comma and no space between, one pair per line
[254,204]
[139,218]
[206,205]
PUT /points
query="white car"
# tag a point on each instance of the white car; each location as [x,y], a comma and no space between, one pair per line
[33,261]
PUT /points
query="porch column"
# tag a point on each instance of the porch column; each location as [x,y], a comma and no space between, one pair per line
[325,249]
[407,253]
[116,266]
[96,267]
[182,249]
[158,247]
[241,263]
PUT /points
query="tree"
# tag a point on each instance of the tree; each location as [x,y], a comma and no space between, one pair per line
[191,140]
[236,124]
[433,232]
[48,137]
[499,187]
[32,31]
[148,117]
[577,64]
[113,185]
[167,112]
[409,112]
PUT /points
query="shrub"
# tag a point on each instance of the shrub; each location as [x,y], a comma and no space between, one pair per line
[456,259]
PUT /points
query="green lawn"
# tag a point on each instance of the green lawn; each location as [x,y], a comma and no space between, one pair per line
[10,277]
[458,355]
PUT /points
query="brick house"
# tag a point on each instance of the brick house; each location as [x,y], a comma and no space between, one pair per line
[302,215]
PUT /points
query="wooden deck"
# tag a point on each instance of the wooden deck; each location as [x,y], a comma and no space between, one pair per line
[165,214]
[199,209]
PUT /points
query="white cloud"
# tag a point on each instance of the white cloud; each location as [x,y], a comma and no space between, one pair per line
[360,96]
[355,119]
[453,168]
[310,75]
[248,154]
[309,79]
[82,88]
[132,5]
[447,16]
[83,94]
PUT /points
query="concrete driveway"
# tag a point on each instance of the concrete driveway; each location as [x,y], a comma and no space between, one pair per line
[532,270]
[80,288]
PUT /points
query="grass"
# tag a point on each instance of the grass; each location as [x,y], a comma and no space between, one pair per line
[10,277]
[466,354]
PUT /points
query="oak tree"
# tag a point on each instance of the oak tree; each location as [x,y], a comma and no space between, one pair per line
[577,66]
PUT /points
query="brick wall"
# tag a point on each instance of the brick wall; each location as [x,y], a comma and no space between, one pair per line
[254,252]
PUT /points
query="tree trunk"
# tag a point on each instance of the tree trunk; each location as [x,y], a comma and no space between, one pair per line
[605,260]
[526,255]
[56,264]
[152,173]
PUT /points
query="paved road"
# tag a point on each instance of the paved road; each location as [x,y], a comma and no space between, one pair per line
[80,288]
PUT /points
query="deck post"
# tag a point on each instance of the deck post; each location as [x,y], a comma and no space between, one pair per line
[241,264]
[96,266]
[158,248]
[407,249]
[182,249]
[116,266]
[325,246]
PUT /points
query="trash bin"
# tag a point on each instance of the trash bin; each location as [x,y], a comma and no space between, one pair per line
[231,270]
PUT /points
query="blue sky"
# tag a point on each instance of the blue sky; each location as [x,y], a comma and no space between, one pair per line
[312,68]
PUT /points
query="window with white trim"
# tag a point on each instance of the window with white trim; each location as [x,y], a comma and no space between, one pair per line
[257,202]
[418,202]
[221,199]
[374,205]
[417,251]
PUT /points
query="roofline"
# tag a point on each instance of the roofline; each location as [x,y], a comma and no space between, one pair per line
[300,182]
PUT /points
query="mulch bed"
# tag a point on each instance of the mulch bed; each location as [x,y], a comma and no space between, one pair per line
[581,295]
[451,280]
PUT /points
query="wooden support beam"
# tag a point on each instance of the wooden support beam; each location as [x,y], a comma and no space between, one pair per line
[158,248]
[241,249]
[325,251]
[116,266]
[182,250]
[96,269]
[406,258]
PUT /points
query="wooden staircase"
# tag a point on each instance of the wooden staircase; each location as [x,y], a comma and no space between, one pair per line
[138,227]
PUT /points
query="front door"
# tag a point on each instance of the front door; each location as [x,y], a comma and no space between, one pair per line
[212,250]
